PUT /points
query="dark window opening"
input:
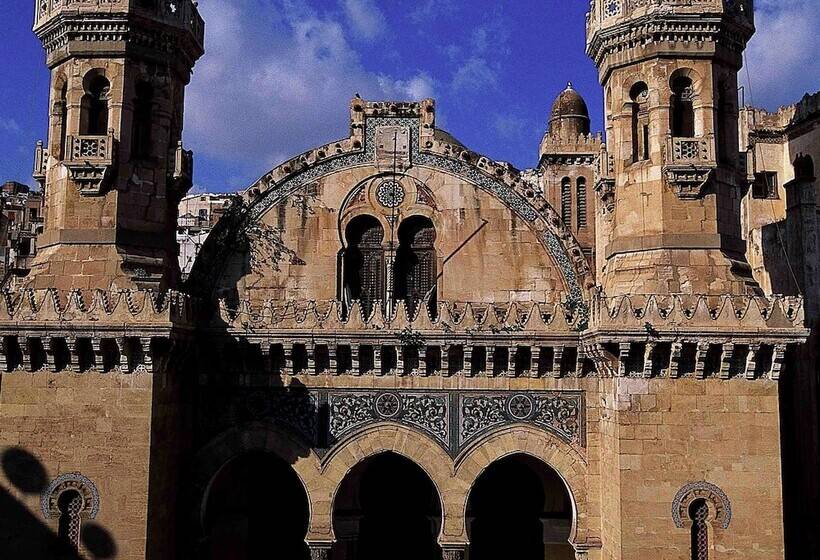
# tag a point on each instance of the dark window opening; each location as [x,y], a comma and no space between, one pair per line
[322,358]
[416,266]
[364,262]
[523,359]
[639,94]
[545,361]
[455,359]
[804,167]
[566,201]
[581,197]
[367,359]
[70,504]
[432,360]
[299,356]
[765,185]
[501,359]
[389,359]
[94,120]
[344,359]
[479,360]
[699,513]
[683,112]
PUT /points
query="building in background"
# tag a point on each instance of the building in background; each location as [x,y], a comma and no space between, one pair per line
[198,214]
[22,220]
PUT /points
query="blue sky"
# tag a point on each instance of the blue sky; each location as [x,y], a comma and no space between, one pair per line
[279,74]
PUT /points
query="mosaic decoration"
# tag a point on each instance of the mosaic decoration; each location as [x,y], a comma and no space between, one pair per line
[714,496]
[426,411]
[559,413]
[390,194]
[87,490]
[298,410]
[367,156]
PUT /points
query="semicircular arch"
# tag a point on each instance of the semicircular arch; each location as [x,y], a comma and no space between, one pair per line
[388,437]
[519,439]
[498,179]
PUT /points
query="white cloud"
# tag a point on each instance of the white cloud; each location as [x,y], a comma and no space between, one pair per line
[366,19]
[9,125]
[782,56]
[473,75]
[509,127]
[429,10]
[269,90]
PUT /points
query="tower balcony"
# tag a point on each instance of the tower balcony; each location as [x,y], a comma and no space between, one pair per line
[40,164]
[689,164]
[91,162]
[182,174]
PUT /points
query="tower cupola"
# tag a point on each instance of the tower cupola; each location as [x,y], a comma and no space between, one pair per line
[570,116]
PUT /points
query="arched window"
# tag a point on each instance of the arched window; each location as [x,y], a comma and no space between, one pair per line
[699,513]
[60,121]
[94,119]
[581,197]
[143,105]
[70,504]
[803,167]
[364,261]
[683,113]
[415,270]
[639,94]
[566,201]
[722,127]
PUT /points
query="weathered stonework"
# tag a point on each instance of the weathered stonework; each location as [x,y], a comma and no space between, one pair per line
[394,294]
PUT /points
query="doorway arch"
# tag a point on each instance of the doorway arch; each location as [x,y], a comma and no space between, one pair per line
[256,508]
[387,506]
[519,507]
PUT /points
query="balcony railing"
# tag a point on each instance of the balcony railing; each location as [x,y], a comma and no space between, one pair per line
[689,150]
[689,163]
[90,162]
[91,149]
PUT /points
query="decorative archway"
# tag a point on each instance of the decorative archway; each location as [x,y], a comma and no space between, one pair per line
[562,458]
[255,504]
[387,506]
[500,180]
[258,438]
[519,508]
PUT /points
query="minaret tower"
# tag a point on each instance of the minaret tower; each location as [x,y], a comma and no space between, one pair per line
[671,176]
[114,168]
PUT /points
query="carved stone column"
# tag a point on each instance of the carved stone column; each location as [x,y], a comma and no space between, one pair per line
[287,350]
[122,345]
[557,358]
[377,360]
[310,350]
[354,360]
[48,348]
[468,361]
[319,551]
[453,551]
[511,360]
[332,363]
[445,360]
[535,360]
[147,357]
[400,360]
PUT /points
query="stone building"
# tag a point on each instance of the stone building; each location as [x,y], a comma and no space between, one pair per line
[21,221]
[198,214]
[393,346]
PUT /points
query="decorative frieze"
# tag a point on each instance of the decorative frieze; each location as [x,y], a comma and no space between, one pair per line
[559,413]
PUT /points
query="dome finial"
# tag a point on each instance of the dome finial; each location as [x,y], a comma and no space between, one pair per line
[569,85]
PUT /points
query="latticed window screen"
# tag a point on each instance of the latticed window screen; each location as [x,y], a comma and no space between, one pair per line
[566,201]
[581,197]
[415,261]
[699,512]
[364,261]
[70,505]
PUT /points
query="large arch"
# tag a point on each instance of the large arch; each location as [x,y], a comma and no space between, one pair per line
[558,455]
[498,179]
[259,437]
[386,438]
[387,503]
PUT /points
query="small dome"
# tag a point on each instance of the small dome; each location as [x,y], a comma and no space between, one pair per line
[569,103]
[570,115]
